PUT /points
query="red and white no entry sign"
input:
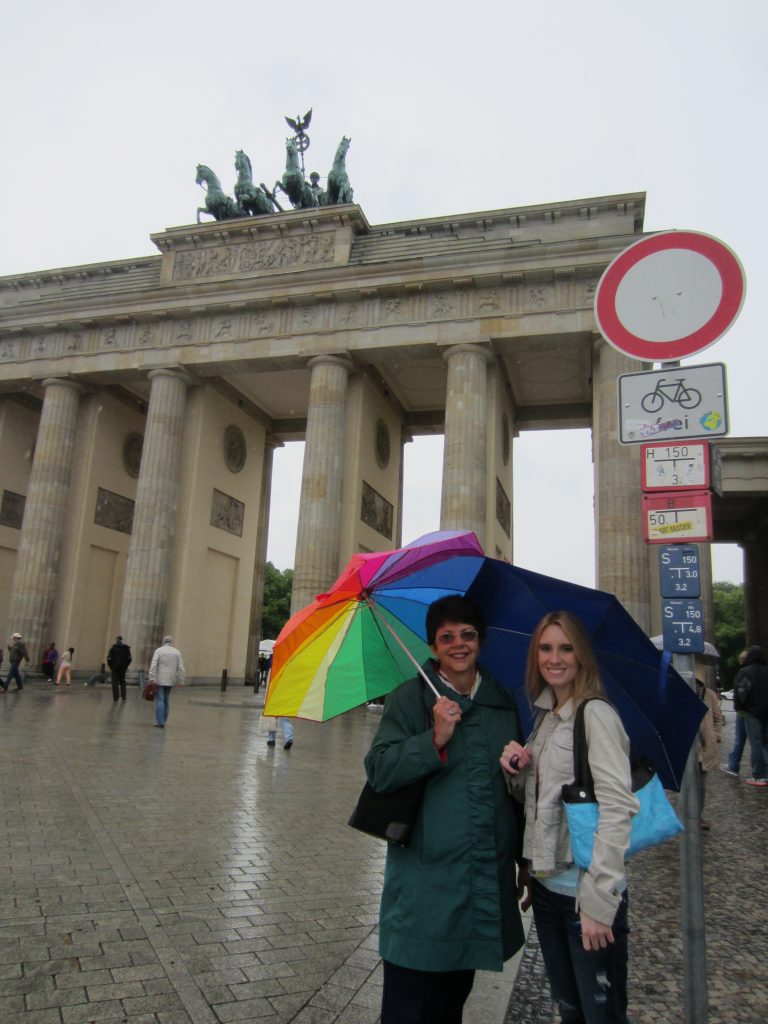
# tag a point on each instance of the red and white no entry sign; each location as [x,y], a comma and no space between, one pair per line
[670,295]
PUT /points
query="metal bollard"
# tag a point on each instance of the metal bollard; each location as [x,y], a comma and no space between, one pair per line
[223,680]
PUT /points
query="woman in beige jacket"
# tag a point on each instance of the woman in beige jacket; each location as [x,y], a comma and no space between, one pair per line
[581,916]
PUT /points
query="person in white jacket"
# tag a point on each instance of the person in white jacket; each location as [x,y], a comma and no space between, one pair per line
[166,671]
[581,916]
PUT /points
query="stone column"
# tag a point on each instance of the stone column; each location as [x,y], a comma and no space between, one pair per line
[463,502]
[318,539]
[756,587]
[259,562]
[621,553]
[45,514]
[154,520]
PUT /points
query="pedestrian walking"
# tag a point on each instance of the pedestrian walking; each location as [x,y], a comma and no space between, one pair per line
[118,659]
[17,652]
[166,671]
[750,695]
[65,666]
[271,724]
[710,734]
[733,764]
[50,657]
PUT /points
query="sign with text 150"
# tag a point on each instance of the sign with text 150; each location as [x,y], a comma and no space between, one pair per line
[683,626]
[679,574]
[678,467]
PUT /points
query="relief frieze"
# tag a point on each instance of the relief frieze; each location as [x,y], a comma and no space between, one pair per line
[114,511]
[251,257]
[376,511]
[227,513]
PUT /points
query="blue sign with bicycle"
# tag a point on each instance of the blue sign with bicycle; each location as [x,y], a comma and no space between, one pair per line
[673,404]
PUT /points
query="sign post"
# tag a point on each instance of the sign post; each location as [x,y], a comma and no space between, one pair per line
[666,297]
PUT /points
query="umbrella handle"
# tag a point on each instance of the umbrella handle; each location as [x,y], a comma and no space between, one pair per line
[417,666]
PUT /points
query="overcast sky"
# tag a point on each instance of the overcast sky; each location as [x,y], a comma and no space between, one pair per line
[451,107]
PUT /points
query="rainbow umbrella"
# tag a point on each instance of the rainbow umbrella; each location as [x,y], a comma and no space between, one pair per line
[366,635]
[360,641]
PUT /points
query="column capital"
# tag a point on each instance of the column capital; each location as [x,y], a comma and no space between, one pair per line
[176,372]
[474,349]
[66,382]
[340,359]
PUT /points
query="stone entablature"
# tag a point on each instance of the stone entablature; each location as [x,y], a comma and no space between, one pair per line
[412,308]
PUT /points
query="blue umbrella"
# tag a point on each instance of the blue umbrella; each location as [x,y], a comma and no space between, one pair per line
[660,712]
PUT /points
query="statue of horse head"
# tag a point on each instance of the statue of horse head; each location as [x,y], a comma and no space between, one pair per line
[243,165]
[343,148]
[291,155]
[206,176]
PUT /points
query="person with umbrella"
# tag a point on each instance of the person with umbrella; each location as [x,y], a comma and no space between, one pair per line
[581,916]
[449,904]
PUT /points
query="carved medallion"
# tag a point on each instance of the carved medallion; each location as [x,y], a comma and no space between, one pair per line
[234,448]
[382,444]
[132,448]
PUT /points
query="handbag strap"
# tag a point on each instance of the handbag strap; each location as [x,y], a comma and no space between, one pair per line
[582,773]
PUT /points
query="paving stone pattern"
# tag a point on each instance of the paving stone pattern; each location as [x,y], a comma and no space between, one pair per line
[193,875]
[185,874]
[735,853]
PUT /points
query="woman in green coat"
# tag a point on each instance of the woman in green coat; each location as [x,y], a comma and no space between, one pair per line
[449,905]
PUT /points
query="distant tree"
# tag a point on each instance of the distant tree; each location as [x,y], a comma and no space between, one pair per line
[277,600]
[730,628]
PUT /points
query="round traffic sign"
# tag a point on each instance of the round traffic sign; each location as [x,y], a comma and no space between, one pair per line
[669,295]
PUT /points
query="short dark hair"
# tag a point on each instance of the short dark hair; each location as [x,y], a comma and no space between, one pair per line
[453,608]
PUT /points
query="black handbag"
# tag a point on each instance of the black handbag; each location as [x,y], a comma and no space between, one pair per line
[390,816]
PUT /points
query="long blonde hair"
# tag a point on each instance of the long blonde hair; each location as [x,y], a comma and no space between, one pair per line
[587,682]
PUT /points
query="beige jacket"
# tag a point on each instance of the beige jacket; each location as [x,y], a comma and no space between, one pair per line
[710,730]
[546,843]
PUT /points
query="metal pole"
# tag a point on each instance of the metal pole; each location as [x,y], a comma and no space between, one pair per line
[695,998]
[223,680]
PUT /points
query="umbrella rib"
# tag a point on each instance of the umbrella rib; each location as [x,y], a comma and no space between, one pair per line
[418,667]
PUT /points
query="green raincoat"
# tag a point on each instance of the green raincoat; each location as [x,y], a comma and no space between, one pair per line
[449,901]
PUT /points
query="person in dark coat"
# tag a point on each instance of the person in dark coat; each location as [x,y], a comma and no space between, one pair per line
[449,904]
[750,695]
[50,657]
[118,659]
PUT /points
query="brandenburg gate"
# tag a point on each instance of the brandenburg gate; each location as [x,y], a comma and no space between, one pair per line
[141,402]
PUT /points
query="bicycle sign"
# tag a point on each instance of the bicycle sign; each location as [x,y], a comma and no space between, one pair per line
[673,391]
[673,404]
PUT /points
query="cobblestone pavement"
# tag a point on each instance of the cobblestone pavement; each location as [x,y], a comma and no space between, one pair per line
[735,853]
[193,875]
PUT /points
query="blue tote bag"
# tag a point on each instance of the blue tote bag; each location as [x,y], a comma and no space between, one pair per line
[655,822]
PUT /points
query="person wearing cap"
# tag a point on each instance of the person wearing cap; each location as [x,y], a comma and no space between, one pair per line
[118,659]
[167,671]
[17,651]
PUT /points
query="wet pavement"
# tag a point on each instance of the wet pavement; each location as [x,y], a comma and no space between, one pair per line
[193,874]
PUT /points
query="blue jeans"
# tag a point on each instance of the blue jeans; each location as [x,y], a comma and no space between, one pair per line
[757,734]
[287,725]
[162,701]
[739,742]
[14,673]
[588,986]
